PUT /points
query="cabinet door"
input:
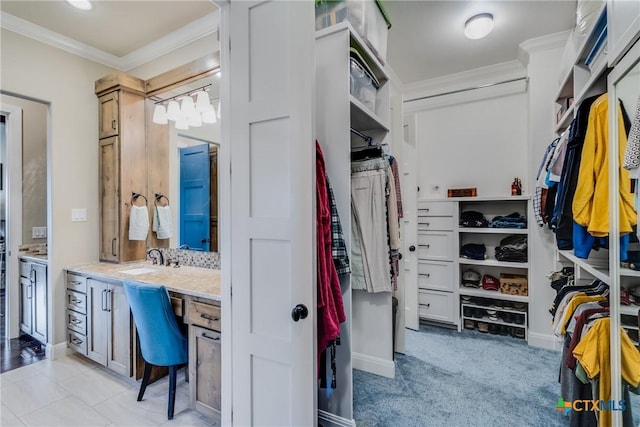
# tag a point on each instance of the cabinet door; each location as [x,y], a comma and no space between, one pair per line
[119,334]
[109,199]
[205,370]
[39,301]
[97,321]
[108,115]
[26,314]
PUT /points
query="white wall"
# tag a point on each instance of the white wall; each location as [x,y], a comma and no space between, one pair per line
[66,82]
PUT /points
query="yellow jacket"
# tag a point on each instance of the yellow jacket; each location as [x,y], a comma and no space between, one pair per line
[591,199]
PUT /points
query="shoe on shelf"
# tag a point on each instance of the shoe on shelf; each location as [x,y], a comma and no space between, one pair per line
[469,324]
[508,317]
[507,304]
[478,313]
[519,333]
[493,328]
[520,306]
[465,298]
[511,330]
[519,318]
[498,303]
[467,311]
[502,330]
[483,327]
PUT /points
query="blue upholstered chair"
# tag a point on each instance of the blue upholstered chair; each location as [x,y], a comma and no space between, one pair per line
[162,343]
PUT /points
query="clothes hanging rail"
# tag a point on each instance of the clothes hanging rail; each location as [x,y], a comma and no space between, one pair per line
[468,89]
[366,137]
[187,93]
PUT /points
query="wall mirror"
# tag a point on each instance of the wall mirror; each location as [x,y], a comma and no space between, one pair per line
[183,142]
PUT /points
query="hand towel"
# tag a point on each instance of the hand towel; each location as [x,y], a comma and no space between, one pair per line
[138,223]
[162,223]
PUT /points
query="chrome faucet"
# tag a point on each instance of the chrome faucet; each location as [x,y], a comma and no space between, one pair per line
[159,259]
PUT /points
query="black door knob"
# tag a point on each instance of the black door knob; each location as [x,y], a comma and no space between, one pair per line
[412,248]
[300,311]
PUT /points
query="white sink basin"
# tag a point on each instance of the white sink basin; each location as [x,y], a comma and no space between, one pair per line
[141,270]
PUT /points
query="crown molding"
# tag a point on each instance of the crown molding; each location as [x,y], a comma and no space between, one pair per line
[189,33]
[471,78]
[43,35]
[547,42]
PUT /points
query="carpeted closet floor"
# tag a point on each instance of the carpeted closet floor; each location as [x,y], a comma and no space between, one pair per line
[465,379]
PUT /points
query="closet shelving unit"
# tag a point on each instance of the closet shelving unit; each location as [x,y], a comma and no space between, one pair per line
[366,336]
[581,80]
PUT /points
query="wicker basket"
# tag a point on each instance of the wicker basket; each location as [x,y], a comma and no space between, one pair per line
[514,284]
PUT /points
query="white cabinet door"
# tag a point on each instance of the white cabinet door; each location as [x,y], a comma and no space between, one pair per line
[40,306]
[272,71]
[97,321]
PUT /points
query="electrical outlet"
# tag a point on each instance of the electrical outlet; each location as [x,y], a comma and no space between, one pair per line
[39,232]
[435,189]
[78,215]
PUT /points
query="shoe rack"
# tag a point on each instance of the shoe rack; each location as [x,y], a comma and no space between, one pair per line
[495,317]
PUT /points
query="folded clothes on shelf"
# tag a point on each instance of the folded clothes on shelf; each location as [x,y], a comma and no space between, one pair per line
[473,251]
[514,220]
[473,219]
[512,249]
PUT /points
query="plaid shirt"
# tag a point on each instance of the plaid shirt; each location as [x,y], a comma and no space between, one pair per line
[338,245]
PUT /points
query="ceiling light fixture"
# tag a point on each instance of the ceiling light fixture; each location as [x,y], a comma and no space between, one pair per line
[81,4]
[478,26]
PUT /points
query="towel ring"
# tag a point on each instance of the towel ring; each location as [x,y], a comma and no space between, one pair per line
[160,197]
[134,197]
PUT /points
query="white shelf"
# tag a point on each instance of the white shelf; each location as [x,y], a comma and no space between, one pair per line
[363,119]
[597,73]
[472,292]
[506,198]
[566,119]
[493,230]
[493,263]
[629,310]
[600,272]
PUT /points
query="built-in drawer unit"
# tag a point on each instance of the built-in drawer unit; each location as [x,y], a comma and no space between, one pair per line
[436,275]
[76,301]
[434,209]
[77,322]
[440,223]
[205,315]
[435,245]
[437,306]
[76,283]
[25,269]
[77,341]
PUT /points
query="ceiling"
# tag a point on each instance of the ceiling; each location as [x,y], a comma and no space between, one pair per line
[425,40]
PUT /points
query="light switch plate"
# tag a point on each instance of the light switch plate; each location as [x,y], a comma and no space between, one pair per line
[78,214]
[39,232]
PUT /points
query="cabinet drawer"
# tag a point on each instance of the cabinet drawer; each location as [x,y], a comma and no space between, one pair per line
[428,223]
[435,209]
[25,269]
[434,305]
[77,322]
[76,301]
[76,283]
[77,342]
[205,315]
[436,275]
[435,246]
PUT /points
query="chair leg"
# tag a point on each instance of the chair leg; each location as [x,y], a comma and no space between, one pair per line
[145,379]
[173,372]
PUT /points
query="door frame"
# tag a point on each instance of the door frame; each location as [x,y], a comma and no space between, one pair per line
[13,237]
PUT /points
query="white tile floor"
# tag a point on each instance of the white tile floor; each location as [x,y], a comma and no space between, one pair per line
[73,391]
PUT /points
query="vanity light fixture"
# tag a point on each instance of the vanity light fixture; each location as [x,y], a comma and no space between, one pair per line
[209,116]
[173,110]
[478,26]
[81,4]
[160,115]
[184,112]
[202,101]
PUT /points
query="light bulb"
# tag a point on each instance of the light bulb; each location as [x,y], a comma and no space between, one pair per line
[173,110]
[209,116]
[478,26]
[202,101]
[160,115]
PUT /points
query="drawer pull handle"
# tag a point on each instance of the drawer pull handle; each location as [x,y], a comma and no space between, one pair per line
[113,124]
[208,317]
[76,321]
[428,305]
[428,275]
[76,341]
[427,224]
[76,301]
[428,246]
[204,335]
[75,282]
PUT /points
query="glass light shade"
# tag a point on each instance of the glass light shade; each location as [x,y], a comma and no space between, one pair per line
[194,119]
[160,115]
[209,116]
[219,109]
[202,101]
[182,123]
[478,26]
[81,4]
[187,107]
[173,110]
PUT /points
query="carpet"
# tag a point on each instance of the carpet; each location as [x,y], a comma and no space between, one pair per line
[447,378]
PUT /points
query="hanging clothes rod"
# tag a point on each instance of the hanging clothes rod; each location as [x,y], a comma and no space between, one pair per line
[189,92]
[366,137]
[468,89]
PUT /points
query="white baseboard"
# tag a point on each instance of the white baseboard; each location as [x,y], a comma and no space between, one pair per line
[550,342]
[375,365]
[331,420]
[57,351]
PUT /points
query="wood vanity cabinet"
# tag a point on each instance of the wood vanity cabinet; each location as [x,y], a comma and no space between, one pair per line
[205,357]
[33,295]
[122,163]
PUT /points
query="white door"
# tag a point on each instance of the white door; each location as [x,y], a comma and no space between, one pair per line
[271,81]
[409,181]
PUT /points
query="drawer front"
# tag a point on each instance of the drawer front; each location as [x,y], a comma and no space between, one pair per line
[438,306]
[25,269]
[76,301]
[435,209]
[440,223]
[77,322]
[436,275]
[435,246]
[76,283]
[77,342]
[178,306]
[205,315]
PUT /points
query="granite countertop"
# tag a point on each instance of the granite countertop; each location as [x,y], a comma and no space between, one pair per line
[186,280]
[42,259]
